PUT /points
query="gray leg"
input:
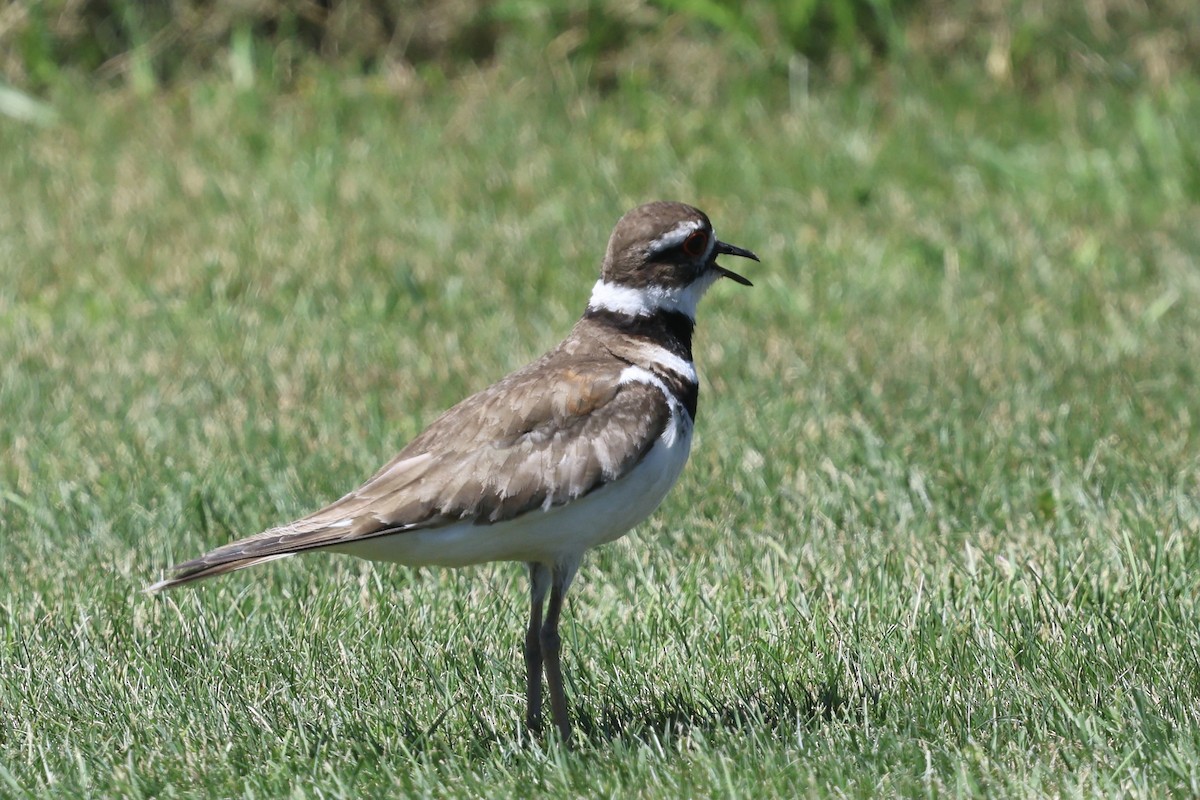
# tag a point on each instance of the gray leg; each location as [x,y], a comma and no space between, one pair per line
[550,644]
[539,583]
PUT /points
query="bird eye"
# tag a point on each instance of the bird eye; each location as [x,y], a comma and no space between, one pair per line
[695,244]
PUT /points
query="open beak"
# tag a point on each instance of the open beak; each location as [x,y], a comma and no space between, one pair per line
[723,249]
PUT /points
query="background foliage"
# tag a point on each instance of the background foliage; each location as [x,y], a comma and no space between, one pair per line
[1032,42]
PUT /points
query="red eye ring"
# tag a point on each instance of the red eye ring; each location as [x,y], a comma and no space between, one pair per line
[695,244]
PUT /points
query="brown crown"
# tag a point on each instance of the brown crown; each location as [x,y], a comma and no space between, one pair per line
[630,261]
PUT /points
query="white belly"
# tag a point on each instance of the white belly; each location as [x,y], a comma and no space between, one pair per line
[548,536]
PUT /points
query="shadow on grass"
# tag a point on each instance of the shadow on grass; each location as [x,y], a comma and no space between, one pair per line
[779,709]
[776,710]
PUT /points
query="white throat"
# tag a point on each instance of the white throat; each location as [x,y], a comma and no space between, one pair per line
[644,301]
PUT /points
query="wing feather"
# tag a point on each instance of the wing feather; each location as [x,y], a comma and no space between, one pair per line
[509,450]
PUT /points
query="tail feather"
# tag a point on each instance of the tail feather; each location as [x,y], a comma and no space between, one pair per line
[191,571]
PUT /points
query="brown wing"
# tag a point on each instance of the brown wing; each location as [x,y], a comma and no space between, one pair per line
[542,437]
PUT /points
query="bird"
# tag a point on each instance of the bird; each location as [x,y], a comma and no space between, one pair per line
[562,455]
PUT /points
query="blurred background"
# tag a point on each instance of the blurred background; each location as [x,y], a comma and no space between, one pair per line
[1028,43]
[940,531]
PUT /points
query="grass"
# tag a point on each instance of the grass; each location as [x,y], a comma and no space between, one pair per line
[939,531]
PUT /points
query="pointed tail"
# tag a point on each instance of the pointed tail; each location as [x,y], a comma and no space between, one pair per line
[192,571]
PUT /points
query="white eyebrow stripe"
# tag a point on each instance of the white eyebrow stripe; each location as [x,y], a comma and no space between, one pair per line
[676,236]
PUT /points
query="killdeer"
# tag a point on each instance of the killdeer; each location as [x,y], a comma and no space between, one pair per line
[563,455]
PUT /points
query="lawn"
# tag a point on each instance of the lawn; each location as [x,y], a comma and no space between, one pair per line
[938,535]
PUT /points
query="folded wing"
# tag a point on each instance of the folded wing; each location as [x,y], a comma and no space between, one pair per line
[512,449]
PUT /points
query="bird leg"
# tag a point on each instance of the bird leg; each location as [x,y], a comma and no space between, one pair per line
[550,643]
[539,583]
